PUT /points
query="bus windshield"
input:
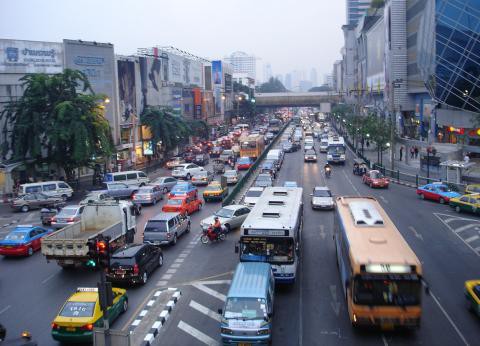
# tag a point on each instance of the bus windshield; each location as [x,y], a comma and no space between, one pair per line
[385,291]
[267,249]
[336,149]
[245,309]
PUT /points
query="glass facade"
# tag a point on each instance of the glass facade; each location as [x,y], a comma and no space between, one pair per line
[449,52]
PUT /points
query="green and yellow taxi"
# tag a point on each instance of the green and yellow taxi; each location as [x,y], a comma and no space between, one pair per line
[466,203]
[472,188]
[81,313]
[215,191]
[472,294]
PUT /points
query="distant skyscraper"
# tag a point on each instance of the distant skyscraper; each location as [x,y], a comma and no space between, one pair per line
[243,63]
[267,72]
[280,78]
[288,81]
[356,9]
[314,77]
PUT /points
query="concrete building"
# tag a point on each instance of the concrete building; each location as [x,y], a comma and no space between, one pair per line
[349,52]
[243,63]
[356,9]
[288,81]
[337,76]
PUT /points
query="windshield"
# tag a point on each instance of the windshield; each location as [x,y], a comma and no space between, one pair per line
[245,309]
[244,160]
[78,309]
[322,193]
[16,236]
[310,152]
[140,191]
[336,149]
[156,226]
[180,188]
[230,173]
[179,168]
[383,290]
[263,178]
[253,193]
[200,174]
[444,189]
[376,175]
[224,212]
[267,249]
[213,188]
[174,202]
[67,212]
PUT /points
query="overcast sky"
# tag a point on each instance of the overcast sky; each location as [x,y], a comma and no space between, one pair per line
[288,34]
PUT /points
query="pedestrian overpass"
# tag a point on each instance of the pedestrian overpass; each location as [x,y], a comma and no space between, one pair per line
[293,99]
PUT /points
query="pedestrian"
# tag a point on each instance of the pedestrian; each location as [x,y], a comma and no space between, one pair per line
[368,143]
[466,159]
[416,152]
[401,153]
[412,152]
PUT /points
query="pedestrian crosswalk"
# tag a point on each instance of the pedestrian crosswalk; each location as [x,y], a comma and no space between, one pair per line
[467,229]
[207,297]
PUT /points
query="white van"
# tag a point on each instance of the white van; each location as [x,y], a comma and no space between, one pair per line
[128,177]
[324,145]
[277,155]
[50,188]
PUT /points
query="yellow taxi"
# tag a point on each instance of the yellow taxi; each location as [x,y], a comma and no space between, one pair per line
[472,294]
[466,203]
[472,188]
[81,313]
[215,191]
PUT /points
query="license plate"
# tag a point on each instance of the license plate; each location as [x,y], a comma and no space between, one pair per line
[244,344]
[120,271]
[68,261]
[70,329]
[387,326]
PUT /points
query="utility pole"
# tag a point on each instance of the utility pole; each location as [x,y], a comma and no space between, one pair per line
[395,84]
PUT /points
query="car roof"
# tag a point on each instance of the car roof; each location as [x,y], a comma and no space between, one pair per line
[164,216]
[83,297]
[321,188]
[230,171]
[264,175]
[255,188]
[233,206]
[127,251]
[24,228]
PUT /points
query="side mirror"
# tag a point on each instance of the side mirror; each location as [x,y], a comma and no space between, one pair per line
[426,286]
[220,311]
[311,194]
[237,248]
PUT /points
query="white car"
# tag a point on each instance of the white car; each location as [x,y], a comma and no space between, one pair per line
[310,156]
[231,216]
[308,147]
[186,170]
[232,176]
[308,140]
[322,198]
[252,196]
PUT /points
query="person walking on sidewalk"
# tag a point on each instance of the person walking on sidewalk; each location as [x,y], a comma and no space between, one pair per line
[412,152]
[416,152]
[401,153]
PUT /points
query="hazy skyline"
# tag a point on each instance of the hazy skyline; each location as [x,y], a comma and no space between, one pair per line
[288,34]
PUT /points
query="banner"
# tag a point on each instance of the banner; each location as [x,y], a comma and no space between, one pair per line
[126,90]
[150,77]
[217,72]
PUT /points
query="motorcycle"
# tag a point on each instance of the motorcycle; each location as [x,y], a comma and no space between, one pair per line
[210,235]
[328,172]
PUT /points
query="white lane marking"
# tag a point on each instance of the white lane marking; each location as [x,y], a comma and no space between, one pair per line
[48,278]
[354,187]
[157,325]
[323,234]
[143,313]
[166,276]
[149,338]
[204,310]
[449,319]
[197,334]
[335,303]
[175,265]
[383,199]
[465,227]
[162,283]
[209,291]
[214,282]
[5,309]
[472,238]
[30,217]
[157,293]
[183,255]
[384,339]
[459,237]
[180,260]
[415,232]
[136,322]
[150,302]
[171,271]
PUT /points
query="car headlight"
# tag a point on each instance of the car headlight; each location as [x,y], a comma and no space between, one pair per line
[342,156]
[226,331]
[263,332]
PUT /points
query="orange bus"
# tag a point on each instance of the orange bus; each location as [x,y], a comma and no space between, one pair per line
[251,146]
[381,276]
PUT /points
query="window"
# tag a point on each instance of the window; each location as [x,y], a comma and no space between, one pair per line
[171,223]
[119,177]
[132,176]
[142,175]
[49,187]
[33,189]
[78,309]
[63,186]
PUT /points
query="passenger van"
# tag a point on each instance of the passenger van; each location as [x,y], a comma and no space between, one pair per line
[50,188]
[277,155]
[165,228]
[128,177]
[247,314]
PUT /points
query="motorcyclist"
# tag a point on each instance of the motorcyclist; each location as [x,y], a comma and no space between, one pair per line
[327,168]
[217,226]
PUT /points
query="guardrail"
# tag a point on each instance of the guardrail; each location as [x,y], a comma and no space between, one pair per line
[233,194]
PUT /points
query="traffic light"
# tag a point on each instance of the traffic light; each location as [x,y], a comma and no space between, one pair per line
[92,253]
[103,251]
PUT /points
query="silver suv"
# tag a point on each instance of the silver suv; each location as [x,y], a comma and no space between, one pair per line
[165,228]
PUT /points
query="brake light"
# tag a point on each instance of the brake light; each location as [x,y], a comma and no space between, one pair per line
[70,219]
[87,327]
[135,269]
[54,219]
[55,326]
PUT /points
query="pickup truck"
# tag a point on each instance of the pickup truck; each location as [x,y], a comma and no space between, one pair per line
[120,190]
[69,245]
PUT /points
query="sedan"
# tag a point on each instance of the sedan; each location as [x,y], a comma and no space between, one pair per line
[310,156]
[165,183]
[232,176]
[186,170]
[263,180]
[374,178]
[322,198]
[469,203]
[183,189]
[67,216]
[438,192]
[244,163]
[231,216]
[36,201]
[215,191]
[252,196]
[184,205]
[201,159]
[174,161]
[202,178]
[148,194]
[24,240]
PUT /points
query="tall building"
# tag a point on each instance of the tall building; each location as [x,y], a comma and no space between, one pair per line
[243,63]
[356,9]
[314,77]
[267,72]
[288,81]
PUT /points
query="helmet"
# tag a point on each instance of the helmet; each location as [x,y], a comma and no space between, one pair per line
[216,218]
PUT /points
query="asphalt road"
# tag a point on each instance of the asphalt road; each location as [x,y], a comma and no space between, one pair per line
[313,312]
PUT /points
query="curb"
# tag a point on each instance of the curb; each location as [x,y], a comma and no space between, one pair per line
[162,318]
[403,184]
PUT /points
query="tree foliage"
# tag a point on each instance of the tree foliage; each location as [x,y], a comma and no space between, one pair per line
[53,123]
[324,87]
[166,126]
[272,86]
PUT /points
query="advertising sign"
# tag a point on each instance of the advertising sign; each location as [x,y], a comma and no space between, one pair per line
[218,100]
[147,148]
[126,90]
[208,77]
[150,71]
[22,57]
[176,68]
[228,83]
[217,72]
[196,71]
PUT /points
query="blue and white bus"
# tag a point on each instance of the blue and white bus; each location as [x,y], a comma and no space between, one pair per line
[272,231]
[336,150]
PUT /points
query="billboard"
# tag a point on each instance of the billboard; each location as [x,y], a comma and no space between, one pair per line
[376,49]
[217,94]
[196,72]
[17,56]
[228,83]
[176,71]
[217,72]
[208,77]
[151,83]
[126,90]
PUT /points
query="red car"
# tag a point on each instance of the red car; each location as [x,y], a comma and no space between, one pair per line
[375,179]
[244,163]
[23,240]
[185,205]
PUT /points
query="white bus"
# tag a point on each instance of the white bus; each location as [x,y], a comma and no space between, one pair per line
[336,150]
[272,232]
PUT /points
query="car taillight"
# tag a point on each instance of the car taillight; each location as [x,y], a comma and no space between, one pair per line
[134,196]
[87,327]
[70,219]
[54,219]
[55,326]
[135,269]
